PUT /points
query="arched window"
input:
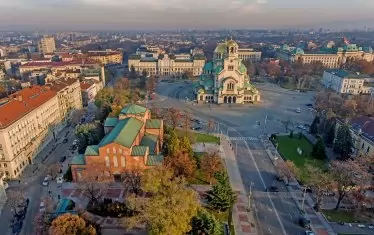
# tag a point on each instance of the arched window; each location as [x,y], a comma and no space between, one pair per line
[115,161]
[230,86]
[107,162]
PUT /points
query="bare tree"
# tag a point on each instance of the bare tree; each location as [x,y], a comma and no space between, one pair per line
[287,169]
[210,125]
[53,170]
[155,111]
[187,122]
[132,181]
[77,115]
[43,219]
[172,116]
[15,198]
[287,124]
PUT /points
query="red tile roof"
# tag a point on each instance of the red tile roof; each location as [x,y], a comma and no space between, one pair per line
[23,102]
[366,124]
[85,85]
[58,64]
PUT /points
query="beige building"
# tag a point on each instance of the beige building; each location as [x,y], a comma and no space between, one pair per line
[47,45]
[225,78]
[249,54]
[106,57]
[167,66]
[89,89]
[27,122]
[344,82]
[3,196]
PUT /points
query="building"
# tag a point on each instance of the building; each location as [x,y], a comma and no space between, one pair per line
[225,79]
[89,89]
[106,57]
[166,65]
[3,196]
[329,56]
[249,54]
[55,67]
[133,141]
[344,82]
[68,94]
[47,45]
[362,131]
[29,119]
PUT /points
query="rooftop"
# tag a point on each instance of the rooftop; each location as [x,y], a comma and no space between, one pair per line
[153,124]
[110,122]
[92,150]
[23,102]
[150,141]
[133,109]
[364,124]
[58,64]
[62,83]
[346,74]
[154,160]
[78,160]
[139,150]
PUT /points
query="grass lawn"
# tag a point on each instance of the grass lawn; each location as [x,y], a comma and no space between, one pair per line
[342,216]
[206,138]
[223,218]
[287,147]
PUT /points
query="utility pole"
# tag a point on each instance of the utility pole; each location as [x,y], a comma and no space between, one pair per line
[250,197]
[303,202]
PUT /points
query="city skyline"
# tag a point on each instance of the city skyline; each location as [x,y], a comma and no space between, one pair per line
[178,14]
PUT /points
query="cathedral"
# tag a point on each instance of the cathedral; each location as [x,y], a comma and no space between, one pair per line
[225,78]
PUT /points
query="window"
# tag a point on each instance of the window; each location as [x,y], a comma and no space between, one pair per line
[368,149]
[108,150]
[120,151]
[123,161]
[114,150]
[107,162]
[231,68]
[5,165]
[230,86]
[115,161]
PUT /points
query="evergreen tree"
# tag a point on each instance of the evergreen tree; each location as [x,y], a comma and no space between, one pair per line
[343,143]
[205,223]
[173,144]
[319,151]
[133,74]
[330,135]
[291,134]
[185,146]
[221,197]
[314,127]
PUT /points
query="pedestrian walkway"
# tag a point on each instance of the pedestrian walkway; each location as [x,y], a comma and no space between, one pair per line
[244,221]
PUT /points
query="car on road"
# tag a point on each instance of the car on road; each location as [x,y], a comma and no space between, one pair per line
[279,178]
[304,222]
[309,105]
[45,181]
[273,189]
[62,159]
[42,207]
[17,227]
[309,232]
[59,179]
[65,141]
[297,110]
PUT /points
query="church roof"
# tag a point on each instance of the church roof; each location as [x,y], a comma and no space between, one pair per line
[242,68]
[208,66]
[231,43]
[221,48]
[133,109]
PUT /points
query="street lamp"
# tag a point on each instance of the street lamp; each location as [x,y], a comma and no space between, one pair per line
[250,197]
[303,202]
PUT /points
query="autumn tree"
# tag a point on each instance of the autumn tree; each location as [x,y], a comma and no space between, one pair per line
[320,181]
[169,208]
[287,169]
[88,134]
[319,151]
[122,84]
[172,117]
[15,198]
[186,122]
[53,170]
[72,225]
[132,181]
[182,164]
[211,164]
[151,84]
[155,111]
[205,223]
[173,144]
[343,143]
[185,146]
[77,115]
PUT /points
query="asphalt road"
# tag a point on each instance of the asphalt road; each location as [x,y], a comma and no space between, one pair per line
[276,212]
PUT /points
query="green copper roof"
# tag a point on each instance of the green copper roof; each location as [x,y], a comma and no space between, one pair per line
[208,66]
[219,69]
[150,141]
[133,109]
[209,83]
[242,68]
[221,48]
[199,57]
[153,124]
[154,160]
[78,160]
[110,122]
[92,150]
[139,150]
[124,133]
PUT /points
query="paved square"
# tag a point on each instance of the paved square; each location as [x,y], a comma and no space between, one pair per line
[246,228]
[241,208]
[67,192]
[243,218]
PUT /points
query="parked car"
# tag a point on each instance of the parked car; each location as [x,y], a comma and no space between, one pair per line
[65,141]
[273,189]
[304,222]
[42,207]
[309,232]
[45,181]
[59,179]
[62,159]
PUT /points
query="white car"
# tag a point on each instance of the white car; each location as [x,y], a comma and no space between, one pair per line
[45,181]
[309,233]
[60,180]
[42,207]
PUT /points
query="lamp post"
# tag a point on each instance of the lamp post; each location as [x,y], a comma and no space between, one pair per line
[303,202]
[250,197]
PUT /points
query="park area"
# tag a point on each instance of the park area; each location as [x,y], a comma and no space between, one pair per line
[287,147]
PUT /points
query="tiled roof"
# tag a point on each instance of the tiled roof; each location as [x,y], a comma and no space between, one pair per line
[133,109]
[153,124]
[150,141]
[139,150]
[345,74]
[124,133]
[23,102]
[110,122]
[366,124]
[92,150]
[85,85]
[78,160]
[58,64]
[154,160]
[62,83]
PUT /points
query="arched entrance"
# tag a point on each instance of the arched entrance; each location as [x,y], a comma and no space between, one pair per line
[229,100]
[234,99]
[201,98]
[255,98]
[225,99]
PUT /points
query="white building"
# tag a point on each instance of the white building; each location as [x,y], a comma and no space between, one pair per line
[3,197]
[249,54]
[344,82]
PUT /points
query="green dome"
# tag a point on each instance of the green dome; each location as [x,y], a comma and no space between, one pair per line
[221,48]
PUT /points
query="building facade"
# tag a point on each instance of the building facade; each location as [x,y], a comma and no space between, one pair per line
[225,79]
[167,66]
[133,141]
[89,89]
[27,122]
[106,57]
[249,54]
[3,196]
[344,82]
[47,45]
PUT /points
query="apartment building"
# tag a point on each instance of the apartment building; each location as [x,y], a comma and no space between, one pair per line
[249,54]
[47,45]
[167,66]
[28,121]
[89,89]
[3,196]
[106,57]
[345,82]
[133,141]
[55,67]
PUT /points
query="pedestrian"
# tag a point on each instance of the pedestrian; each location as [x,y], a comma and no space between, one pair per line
[19,181]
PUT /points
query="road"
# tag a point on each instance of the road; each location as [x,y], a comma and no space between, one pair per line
[276,212]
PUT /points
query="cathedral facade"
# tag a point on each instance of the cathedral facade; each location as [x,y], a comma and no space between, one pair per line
[225,78]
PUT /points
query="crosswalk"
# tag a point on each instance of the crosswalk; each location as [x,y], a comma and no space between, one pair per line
[250,138]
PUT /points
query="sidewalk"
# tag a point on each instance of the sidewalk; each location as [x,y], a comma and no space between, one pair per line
[244,221]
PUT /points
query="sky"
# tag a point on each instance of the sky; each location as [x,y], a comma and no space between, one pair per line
[182,14]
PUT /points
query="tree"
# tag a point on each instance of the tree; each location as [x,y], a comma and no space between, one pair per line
[287,169]
[314,127]
[53,170]
[151,84]
[88,134]
[287,124]
[169,208]
[211,164]
[77,115]
[15,198]
[329,135]
[172,117]
[144,73]
[343,143]
[173,144]
[319,151]
[71,224]
[251,68]
[122,84]
[133,73]
[291,135]
[155,111]
[187,117]
[132,180]
[43,219]
[185,146]
[210,126]
[320,181]
[204,223]
[182,164]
